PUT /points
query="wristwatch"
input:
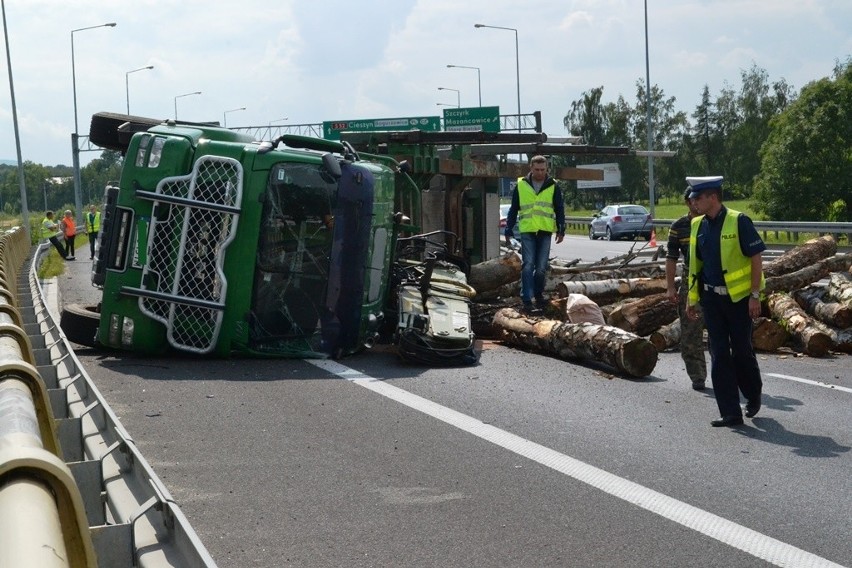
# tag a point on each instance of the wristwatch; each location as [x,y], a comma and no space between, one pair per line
[755,295]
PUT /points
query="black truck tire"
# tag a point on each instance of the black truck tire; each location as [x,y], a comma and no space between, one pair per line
[80,324]
[104,129]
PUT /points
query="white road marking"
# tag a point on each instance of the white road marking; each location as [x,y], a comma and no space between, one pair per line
[809,382]
[752,542]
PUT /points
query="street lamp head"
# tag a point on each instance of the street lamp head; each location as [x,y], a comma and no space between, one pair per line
[110,25]
[479,25]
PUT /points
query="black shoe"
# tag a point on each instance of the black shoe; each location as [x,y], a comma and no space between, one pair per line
[540,303]
[752,408]
[699,386]
[527,308]
[727,421]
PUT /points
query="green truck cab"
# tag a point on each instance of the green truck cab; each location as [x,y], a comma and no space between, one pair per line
[215,243]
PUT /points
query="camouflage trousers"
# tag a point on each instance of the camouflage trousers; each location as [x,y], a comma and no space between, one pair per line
[691,340]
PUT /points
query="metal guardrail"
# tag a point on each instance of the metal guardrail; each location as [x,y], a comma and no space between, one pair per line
[789,227]
[74,488]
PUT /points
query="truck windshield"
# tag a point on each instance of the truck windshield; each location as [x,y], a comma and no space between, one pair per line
[294,248]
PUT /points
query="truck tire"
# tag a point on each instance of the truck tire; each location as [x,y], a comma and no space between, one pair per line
[104,129]
[80,324]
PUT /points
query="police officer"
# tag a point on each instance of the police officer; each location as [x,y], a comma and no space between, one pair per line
[539,210]
[726,277]
[691,330]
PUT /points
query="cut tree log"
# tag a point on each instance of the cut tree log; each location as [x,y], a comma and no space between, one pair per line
[667,336]
[811,299]
[615,347]
[801,278]
[841,339]
[802,256]
[840,287]
[608,291]
[644,270]
[644,316]
[768,335]
[491,274]
[806,336]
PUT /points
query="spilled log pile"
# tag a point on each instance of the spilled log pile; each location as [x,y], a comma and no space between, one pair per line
[801,310]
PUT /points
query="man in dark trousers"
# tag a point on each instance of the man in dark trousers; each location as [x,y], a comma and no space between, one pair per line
[691,330]
[726,277]
[93,227]
[538,208]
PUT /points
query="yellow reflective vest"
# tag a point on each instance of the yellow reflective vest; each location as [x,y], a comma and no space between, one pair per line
[736,267]
[48,228]
[535,210]
[93,225]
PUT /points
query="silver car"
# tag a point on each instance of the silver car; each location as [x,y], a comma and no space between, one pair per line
[621,221]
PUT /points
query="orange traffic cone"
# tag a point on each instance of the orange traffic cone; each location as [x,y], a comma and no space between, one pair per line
[653,237]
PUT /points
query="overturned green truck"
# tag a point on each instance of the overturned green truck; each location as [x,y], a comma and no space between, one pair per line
[216,243]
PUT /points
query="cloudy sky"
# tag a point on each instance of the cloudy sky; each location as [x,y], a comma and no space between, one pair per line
[315,60]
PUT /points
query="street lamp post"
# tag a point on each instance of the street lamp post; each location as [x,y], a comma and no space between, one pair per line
[478,78]
[648,116]
[75,146]
[184,95]
[517,64]
[127,83]
[458,95]
[225,115]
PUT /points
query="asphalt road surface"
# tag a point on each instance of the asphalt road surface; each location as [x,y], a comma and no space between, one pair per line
[522,460]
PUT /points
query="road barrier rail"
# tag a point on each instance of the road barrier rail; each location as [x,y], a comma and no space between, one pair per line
[75,490]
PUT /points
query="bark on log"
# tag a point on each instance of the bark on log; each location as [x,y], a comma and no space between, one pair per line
[492,274]
[644,270]
[645,316]
[608,291]
[667,336]
[811,299]
[482,317]
[615,347]
[809,275]
[840,287]
[768,335]
[841,339]
[806,336]
[801,256]
[607,309]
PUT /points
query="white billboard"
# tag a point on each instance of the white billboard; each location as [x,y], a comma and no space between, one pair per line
[612,176]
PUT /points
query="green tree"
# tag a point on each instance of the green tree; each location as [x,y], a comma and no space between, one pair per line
[806,162]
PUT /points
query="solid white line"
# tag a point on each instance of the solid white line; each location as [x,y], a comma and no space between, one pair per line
[750,541]
[809,382]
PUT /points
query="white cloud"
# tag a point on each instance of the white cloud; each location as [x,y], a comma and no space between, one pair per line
[336,59]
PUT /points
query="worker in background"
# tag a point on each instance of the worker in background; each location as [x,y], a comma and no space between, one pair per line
[691,330]
[93,227]
[50,231]
[69,231]
[539,210]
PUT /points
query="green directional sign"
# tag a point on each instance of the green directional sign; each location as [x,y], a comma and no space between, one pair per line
[331,129]
[473,119]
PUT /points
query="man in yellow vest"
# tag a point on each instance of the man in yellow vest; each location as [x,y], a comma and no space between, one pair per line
[726,277]
[50,231]
[93,226]
[539,210]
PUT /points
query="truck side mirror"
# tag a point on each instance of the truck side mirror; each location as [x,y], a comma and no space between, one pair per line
[332,166]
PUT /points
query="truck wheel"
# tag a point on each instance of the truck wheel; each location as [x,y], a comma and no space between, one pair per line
[104,129]
[80,324]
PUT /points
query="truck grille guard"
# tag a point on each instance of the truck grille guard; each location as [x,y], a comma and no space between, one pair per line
[184,286]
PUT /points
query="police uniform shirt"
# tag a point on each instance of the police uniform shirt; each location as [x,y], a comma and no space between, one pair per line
[708,246]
